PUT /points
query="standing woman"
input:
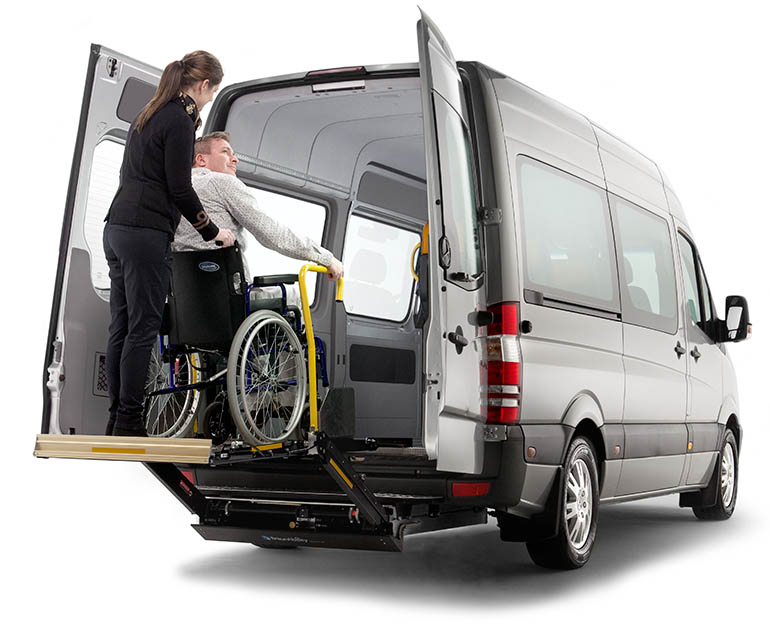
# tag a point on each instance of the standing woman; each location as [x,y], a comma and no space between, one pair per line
[155,192]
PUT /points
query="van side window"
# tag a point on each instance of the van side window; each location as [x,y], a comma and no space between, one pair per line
[648,280]
[306,219]
[102,185]
[378,282]
[568,250]
[698,302]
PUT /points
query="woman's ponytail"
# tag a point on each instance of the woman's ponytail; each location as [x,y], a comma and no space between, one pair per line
[178,75]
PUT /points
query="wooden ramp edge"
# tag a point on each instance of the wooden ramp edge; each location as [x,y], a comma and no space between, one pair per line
[118,448]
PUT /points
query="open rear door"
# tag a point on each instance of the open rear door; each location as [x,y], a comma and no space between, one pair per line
[75,403]
[453,412]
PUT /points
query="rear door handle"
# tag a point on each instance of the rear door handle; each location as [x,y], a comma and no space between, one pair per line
[458,339]
[680,350]
[695,353]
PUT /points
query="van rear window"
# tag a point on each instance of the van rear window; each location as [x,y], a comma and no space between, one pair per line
[568,250]
[102,185]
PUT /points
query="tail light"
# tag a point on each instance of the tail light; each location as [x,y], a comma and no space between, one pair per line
[501,365]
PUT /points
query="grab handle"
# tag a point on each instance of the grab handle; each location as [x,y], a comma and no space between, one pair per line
[310,337]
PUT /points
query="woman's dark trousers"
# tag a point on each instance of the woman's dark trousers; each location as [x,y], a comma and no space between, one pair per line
[140,270]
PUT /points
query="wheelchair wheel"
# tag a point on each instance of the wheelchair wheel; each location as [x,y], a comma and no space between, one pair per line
[266,378]
[170,415]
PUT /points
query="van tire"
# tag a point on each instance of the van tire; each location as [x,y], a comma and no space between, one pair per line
[726,479]
[578,489]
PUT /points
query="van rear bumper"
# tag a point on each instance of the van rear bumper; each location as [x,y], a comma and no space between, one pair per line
[521,487]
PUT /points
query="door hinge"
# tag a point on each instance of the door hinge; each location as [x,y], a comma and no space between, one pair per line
[112,67]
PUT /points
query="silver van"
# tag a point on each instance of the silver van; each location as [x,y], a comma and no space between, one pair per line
[525,329]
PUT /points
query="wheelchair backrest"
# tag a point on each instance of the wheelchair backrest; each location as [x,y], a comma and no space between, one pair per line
[206,300]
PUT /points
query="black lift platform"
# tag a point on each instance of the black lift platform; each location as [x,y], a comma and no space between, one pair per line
[353,518]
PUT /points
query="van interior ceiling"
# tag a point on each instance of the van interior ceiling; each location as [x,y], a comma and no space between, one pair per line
[358,147]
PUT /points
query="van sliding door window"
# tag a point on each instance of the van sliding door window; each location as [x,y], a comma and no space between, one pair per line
[102,185]
[648,281]
[306,219]
[378,282]
[568,252]
[457,191]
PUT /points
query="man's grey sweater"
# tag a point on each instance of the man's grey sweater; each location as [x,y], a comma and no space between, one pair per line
[230,206]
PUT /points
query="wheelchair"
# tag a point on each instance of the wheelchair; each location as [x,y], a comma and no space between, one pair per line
[223,335]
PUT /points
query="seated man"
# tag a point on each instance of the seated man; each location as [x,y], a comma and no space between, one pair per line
[230,205]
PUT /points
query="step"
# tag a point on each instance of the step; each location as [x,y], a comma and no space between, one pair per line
[122,448]
[271,538]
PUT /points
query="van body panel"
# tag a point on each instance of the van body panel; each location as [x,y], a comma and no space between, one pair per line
[701,467]
[568,355]
[610,478]
[629,173]
[542,128]
[674,205]
[656,381]
[730,403]
[452,373]
[117,86]
[460,444]
[583,407]
[653,473]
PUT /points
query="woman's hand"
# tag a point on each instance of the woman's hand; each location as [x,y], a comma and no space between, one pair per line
[226,237]
[336,270]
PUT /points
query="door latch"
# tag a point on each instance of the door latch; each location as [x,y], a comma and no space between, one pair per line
[444,252]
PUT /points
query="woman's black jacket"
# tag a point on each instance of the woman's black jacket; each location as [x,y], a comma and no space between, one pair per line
[155,187]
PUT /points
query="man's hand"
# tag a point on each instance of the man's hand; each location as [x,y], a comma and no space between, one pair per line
[226,237]
[336,271]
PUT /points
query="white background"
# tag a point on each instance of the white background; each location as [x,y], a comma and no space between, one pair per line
[103,543]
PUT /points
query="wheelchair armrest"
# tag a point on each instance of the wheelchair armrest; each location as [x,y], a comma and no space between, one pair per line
[275,279]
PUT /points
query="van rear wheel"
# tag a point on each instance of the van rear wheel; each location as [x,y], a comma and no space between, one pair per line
[579,493]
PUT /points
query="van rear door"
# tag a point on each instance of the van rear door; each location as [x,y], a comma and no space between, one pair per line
[75,403]
[453,413]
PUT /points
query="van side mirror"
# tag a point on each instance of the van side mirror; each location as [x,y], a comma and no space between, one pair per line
[736,326]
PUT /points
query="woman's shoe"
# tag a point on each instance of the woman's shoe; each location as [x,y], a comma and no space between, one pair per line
[132,428]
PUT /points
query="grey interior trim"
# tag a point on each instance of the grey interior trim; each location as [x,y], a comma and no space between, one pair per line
[86,320]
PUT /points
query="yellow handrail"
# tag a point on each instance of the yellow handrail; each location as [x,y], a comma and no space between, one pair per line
[411,265]
[310,337]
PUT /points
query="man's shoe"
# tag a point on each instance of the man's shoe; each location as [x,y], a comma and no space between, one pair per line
[110,425]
